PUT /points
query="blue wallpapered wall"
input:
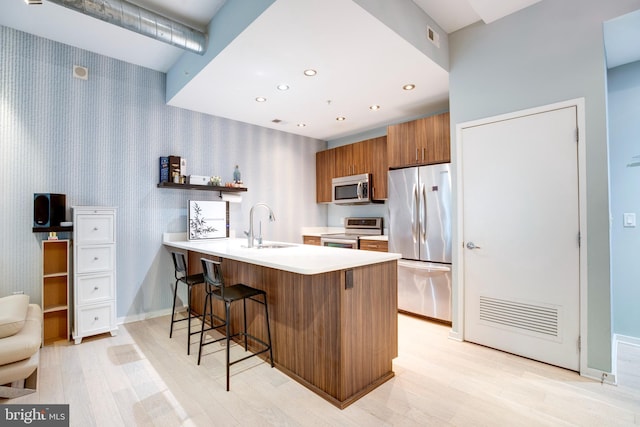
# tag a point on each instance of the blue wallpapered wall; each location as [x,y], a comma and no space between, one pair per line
[98,141]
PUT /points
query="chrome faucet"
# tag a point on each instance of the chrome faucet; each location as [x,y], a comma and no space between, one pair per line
[249,234]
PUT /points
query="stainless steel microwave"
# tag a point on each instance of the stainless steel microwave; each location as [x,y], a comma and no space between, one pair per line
[352,190]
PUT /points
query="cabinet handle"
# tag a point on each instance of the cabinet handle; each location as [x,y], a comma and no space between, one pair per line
[417,154]
[95,318]
[95,258]
[423,150]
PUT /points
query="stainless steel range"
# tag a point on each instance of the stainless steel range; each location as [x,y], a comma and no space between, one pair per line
[354,228]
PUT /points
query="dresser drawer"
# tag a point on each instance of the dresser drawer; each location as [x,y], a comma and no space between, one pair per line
[98,228]
[95,319]
[93,288]
[96,258]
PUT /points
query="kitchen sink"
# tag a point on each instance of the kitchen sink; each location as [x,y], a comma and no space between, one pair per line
[271,246]
[274,246]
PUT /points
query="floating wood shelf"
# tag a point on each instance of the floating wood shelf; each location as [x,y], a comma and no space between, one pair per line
[202,187]
[57,229]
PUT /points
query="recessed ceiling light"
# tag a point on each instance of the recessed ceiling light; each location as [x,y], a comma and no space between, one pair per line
[374,107]
[341,118]
[283,87]
[409,87]
[261,99]
[301,125]
[310,72]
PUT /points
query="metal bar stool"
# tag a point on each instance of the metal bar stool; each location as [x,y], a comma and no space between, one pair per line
[181,277]
[216,289]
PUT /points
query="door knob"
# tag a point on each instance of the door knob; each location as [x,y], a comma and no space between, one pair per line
[471,245]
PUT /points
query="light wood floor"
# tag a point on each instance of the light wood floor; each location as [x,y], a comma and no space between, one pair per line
[143,378]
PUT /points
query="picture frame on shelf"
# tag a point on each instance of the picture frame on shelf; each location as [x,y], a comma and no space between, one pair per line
[207,220]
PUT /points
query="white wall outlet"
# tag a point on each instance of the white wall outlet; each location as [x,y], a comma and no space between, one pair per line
[433,36]
[629,219]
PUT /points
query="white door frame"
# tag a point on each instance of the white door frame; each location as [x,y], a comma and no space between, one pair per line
[579,103]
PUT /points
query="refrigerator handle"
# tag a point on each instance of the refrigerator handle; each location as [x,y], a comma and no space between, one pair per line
[421,214]
[424,213]
[416,215]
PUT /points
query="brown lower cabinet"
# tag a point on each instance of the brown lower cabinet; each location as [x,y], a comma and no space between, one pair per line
[374,245]
[336,337]
[365,244]
[311,240]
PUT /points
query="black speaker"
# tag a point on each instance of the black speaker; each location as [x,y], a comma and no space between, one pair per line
[48,209]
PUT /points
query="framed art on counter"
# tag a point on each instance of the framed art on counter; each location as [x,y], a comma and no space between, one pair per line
[208,220]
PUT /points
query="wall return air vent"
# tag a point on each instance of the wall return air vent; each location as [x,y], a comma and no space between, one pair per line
[532,319]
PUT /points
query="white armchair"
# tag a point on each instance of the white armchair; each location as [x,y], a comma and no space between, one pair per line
[20,339]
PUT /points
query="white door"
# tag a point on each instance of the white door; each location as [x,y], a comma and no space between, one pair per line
[521,226]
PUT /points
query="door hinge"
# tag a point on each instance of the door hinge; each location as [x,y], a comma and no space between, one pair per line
[579,343]
[579,239]
[577,134]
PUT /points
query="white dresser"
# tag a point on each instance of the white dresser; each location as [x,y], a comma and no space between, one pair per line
[94,271]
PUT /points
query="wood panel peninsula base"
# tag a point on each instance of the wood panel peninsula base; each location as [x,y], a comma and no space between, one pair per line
[336,331]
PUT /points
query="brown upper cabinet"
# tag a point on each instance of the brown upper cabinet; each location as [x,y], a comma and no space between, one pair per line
[369,156]
[325,171]
[419,142]
[377,149]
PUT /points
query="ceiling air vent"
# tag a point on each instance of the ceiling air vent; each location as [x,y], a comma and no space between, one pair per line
[433,36]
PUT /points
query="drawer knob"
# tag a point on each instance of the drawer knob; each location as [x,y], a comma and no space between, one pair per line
[95,318]
[95,258]
[95,288]
[95,228]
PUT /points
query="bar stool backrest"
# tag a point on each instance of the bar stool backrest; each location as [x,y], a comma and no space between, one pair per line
[179,264]
[212,271]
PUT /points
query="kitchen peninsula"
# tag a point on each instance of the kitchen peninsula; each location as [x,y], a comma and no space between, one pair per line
[333,312]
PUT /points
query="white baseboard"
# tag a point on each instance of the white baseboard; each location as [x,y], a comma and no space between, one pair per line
[598,375]
[148,315]
[456,336]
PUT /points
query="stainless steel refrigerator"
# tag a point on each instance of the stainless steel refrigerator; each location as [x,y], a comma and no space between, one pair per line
[419,202]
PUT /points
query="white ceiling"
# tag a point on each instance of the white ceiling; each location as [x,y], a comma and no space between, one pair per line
[358,66]
[359,60]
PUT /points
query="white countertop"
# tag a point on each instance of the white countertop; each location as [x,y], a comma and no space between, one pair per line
[319,231]
[301,259]
[382,237]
